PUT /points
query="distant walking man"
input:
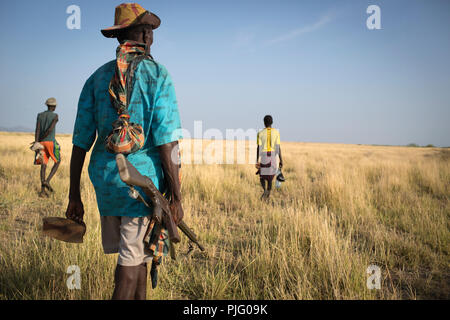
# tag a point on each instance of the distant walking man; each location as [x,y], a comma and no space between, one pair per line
[268,141]
[45,135]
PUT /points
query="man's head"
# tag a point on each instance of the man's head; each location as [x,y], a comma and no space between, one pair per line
[268,121]
[51,104]
[132,22]
[139,33]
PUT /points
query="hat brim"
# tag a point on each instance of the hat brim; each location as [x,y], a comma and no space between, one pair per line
[147,18]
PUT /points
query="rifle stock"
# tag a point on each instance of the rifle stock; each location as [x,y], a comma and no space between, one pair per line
[129,174]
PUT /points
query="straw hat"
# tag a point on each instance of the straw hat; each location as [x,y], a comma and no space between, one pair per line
[130,14]
[51,102]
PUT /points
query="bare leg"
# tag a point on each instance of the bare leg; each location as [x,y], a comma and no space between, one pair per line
[46,183]
[43,169]
[141,287]
[269,188]
[263,184]
[53,171]
[125,279]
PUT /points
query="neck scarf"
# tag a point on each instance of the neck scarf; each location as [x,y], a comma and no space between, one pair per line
[125,53]
[126,137]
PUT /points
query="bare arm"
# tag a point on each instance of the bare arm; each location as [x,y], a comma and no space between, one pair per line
[52,126]
[36,133]
[75,210]
[257,153]
[169,155]
[76,167]
[281,158]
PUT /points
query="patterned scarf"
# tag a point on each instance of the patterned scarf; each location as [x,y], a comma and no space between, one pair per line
[125,53]
[126,137]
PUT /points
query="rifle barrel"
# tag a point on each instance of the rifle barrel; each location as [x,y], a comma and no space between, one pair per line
[190,234]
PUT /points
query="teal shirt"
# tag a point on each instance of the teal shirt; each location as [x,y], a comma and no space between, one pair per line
[45,120]
[153,105]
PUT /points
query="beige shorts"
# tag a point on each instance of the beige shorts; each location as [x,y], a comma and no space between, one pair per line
[125,235]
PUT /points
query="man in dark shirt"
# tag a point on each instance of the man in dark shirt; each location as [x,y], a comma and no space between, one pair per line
[45,135]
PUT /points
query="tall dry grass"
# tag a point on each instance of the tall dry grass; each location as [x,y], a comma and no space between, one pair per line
[342,208]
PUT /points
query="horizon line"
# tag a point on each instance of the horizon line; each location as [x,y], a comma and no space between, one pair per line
[409,145]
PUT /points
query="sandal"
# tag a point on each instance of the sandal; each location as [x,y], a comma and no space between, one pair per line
[47,185]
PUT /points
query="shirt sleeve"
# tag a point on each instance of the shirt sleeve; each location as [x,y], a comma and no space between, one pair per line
[84,132]
[258,139]
[277,141]
[166,124]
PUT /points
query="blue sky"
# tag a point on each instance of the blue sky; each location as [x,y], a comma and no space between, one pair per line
[313,65]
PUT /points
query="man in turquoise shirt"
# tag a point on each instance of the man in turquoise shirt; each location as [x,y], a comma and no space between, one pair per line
[153,105]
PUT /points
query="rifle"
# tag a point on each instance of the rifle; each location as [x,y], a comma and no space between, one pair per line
[161,209]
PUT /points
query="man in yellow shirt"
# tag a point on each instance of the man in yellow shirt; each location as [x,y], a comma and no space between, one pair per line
[268,141]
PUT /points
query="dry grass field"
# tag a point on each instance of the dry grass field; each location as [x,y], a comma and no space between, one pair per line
[342,208]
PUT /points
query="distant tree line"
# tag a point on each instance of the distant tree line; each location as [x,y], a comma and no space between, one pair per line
[417,146]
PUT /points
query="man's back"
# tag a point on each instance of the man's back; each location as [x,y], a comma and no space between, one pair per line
[268,139]
[147,112]
[153,105]
[45,120]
